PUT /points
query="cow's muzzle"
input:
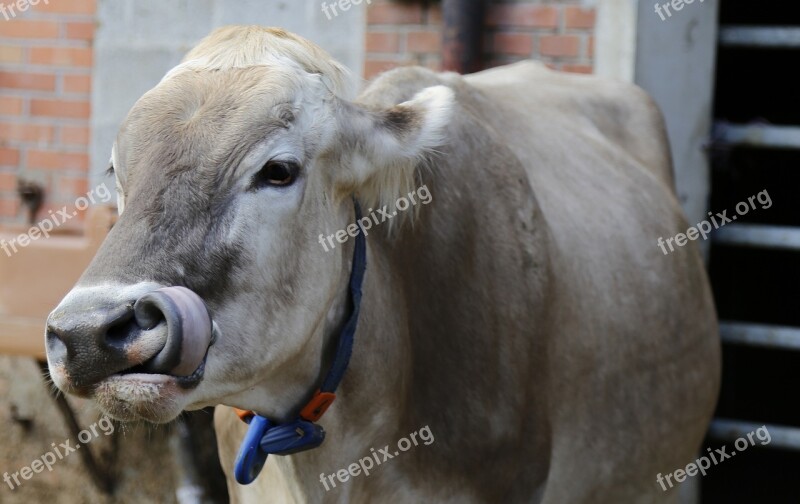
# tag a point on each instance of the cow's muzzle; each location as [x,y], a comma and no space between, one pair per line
[165,331]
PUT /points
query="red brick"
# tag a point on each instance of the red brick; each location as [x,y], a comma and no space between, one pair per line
[373,67]
[61,108]
[11,54]
[559,45]
[590,48]
[9,207]
[579,17]
[26,132]
[80,31]
[8,182]
[67,7]
[424,42]
[10,105]
[22,28]
[533,16]
[56,160]
[77,135]
[77,83]
[380,42]
[22,80]
[64,56]
[581,69]
[513,43]
[9,157]
[390,13]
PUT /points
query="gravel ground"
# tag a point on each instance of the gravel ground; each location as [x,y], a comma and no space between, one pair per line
[144,469]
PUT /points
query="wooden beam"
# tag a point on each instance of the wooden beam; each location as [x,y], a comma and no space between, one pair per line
[35,278]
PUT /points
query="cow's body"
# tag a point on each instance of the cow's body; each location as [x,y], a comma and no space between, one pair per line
[526,316]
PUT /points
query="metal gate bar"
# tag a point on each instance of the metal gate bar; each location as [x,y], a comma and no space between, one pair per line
[781,436]
[757,135]
[760,335]
[759,236]
[780,37]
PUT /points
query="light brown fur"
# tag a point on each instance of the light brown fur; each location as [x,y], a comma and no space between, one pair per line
[527,316]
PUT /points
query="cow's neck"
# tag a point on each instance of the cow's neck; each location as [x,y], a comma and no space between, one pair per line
[368,412]
[426,353]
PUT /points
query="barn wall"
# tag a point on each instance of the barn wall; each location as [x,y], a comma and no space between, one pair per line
[45,86]
[138,41]
[54,54]
[675,62]
[560,33]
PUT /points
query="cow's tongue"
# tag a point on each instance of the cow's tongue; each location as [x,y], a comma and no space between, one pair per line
[188,329]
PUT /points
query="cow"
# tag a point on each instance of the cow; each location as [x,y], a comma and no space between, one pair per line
[518,312]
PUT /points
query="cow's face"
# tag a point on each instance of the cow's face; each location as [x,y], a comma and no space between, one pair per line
[226,180]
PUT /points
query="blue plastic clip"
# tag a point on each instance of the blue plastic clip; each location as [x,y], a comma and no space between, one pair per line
[251,457]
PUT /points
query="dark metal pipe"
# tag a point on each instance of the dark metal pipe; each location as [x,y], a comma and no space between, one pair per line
[462,40]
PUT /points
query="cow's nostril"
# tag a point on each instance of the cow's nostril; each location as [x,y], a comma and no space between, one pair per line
[56,348]
[181,319]
[122,330]
[148,313]
[150,310]
[90,340]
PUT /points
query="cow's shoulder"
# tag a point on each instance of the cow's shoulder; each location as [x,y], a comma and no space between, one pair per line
[622,112]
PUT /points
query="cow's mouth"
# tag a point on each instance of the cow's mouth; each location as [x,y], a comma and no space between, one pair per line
[185,382]
[138,394]
[176,335]
[139,352]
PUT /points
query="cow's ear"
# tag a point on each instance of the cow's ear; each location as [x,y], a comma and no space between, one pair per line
[380,148]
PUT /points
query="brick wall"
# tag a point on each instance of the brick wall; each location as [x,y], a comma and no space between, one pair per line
[45,85]
[46,61]
[559,32]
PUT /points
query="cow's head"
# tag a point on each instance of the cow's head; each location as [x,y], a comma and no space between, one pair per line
[227,172]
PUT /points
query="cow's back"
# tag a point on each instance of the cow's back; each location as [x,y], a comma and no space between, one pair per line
[621,112]
[637,326]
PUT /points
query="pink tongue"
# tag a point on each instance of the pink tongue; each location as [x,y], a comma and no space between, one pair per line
[196,333]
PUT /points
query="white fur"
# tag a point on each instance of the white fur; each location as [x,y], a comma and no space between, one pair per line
[385,168]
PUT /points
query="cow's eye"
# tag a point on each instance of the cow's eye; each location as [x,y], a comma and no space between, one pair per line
[276,173]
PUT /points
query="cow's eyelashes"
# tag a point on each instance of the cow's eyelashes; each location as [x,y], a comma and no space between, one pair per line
[275,174]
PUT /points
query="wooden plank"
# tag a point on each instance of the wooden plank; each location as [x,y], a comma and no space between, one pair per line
[34,279]
[22,336]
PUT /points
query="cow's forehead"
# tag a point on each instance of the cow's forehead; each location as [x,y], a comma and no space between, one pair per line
[206,119]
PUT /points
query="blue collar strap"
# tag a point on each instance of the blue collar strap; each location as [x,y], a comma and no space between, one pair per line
[264,437]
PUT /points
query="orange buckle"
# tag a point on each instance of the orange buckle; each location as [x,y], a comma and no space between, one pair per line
[317,406]
[244,415]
